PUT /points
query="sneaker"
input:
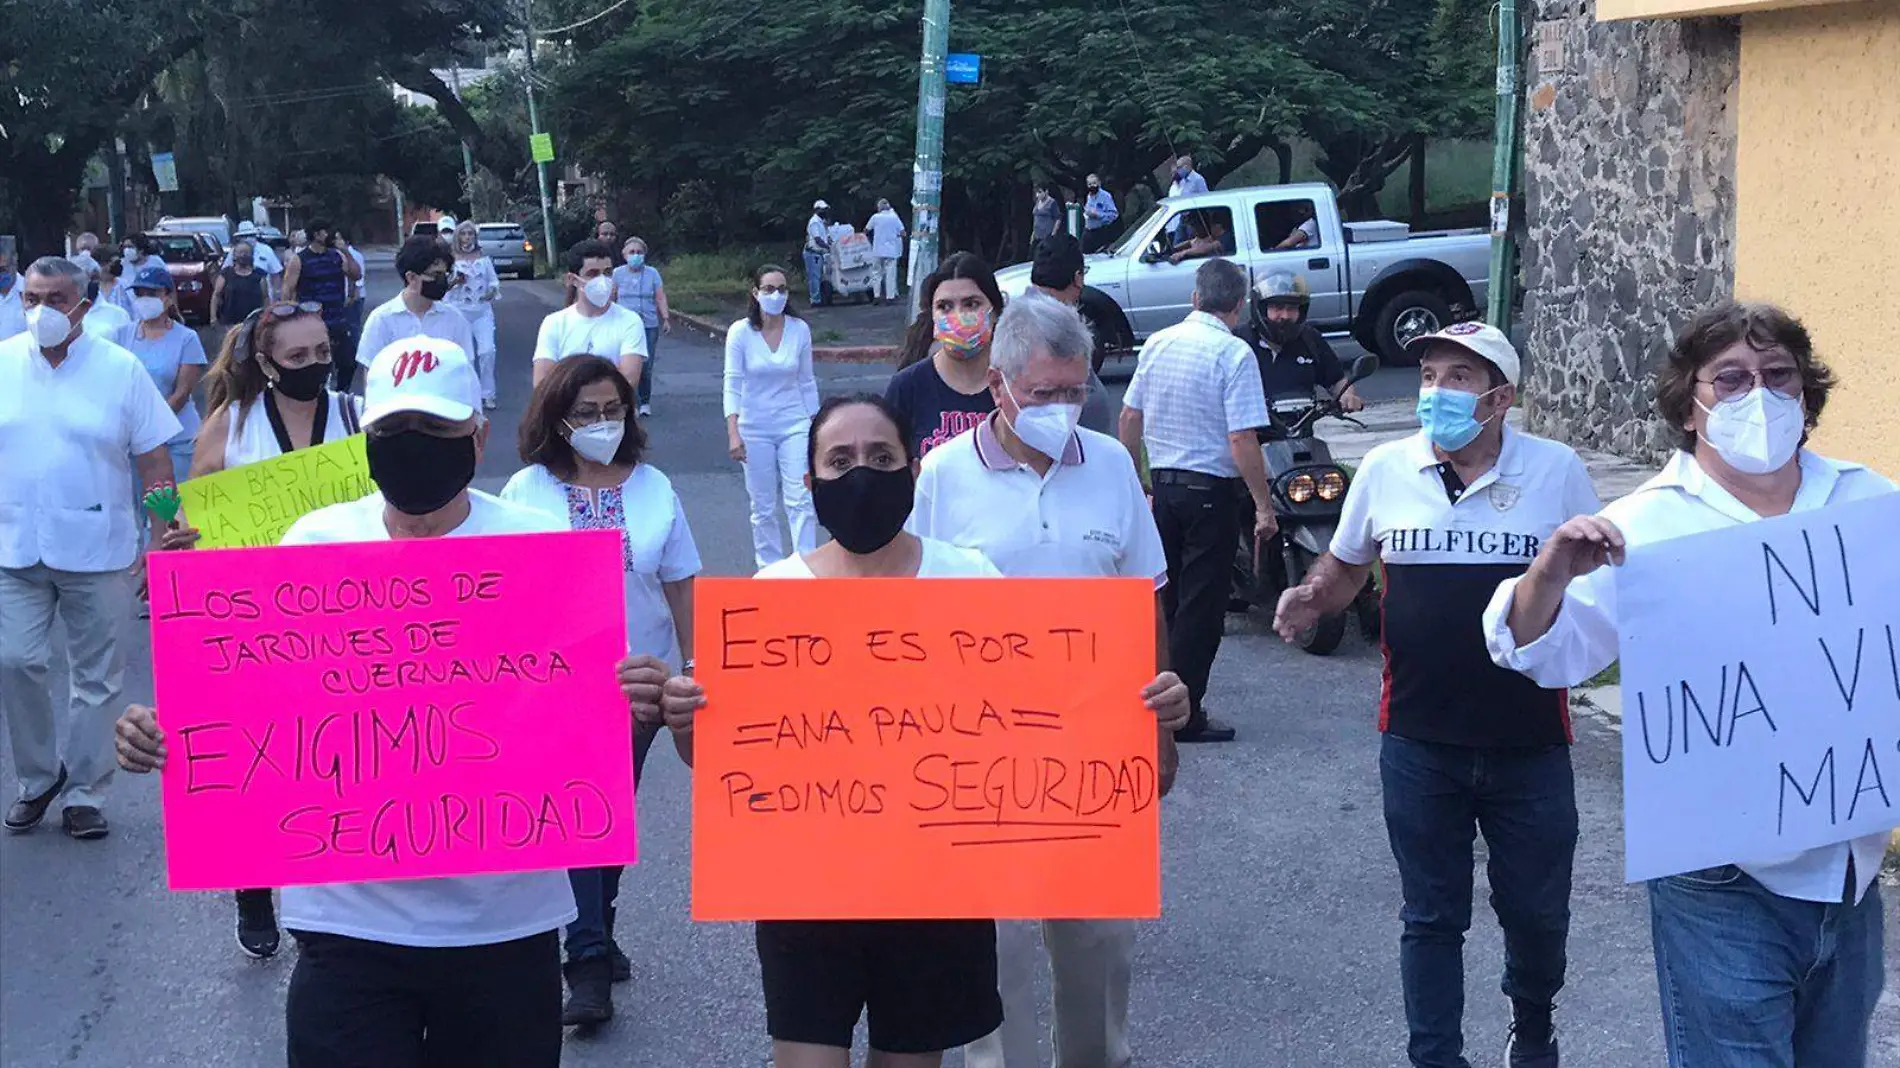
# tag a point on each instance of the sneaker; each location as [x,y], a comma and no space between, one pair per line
[590,999]
[1533,1039]
[623,968]
[84,823]
[646,410]
[27,812]
[489,403]
[257,924]
[1209,731]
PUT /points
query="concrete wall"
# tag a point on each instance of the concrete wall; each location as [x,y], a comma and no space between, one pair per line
[1658,9]
[1629,164]
[1818,195]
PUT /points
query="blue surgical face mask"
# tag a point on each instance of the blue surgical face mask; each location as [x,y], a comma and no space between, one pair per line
[1450,416]
[637,260]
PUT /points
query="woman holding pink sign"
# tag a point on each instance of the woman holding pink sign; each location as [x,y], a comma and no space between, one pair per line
[268,396]
[583,446]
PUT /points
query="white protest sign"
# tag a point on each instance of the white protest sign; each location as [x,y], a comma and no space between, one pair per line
[1761,688]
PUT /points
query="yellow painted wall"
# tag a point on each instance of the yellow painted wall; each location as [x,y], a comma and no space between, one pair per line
[1818,203]
[1610,10]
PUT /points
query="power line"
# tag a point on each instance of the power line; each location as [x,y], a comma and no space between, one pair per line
[1134,43]
[603,13]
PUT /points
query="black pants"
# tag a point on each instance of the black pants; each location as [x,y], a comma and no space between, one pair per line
[1198,516]
[343,355]
[358,1004]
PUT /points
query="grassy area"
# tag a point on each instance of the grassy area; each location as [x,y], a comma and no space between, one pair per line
[705,283]
[1609,676]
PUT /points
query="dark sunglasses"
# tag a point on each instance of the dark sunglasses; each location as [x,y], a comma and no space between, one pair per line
[273,312]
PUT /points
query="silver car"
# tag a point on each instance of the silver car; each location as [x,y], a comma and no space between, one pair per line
[507,244]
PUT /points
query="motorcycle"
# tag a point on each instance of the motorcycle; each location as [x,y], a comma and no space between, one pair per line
[1309,492]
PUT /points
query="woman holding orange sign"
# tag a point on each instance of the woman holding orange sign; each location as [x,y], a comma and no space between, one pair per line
[924,986]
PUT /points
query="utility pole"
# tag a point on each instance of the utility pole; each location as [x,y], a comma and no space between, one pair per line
[468,158]
[1503,278]
[534,125]
[926,190]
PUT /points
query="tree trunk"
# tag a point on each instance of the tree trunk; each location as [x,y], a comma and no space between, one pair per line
[1416,187]
[1283,154]
[41,194]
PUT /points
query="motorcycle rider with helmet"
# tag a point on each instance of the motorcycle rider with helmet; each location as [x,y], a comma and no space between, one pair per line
[1294,359]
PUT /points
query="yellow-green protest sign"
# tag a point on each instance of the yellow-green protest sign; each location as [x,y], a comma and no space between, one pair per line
[254,504]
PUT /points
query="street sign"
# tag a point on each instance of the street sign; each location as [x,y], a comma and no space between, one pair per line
[963,68]
[165,172]
[541,147]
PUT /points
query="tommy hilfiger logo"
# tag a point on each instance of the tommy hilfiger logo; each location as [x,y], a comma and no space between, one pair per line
[409,364]
[1461,329]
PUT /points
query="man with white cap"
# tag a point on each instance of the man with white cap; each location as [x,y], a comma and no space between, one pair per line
[463,971]
[1468,746]
[817,246]
[262,255]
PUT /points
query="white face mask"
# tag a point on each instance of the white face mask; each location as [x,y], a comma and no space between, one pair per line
[773,303]
[148,308]
[1045,428]
[1757,432]
[599,290]
[49,328]
[598,441]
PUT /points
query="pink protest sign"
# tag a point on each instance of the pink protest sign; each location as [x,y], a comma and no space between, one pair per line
[392,710]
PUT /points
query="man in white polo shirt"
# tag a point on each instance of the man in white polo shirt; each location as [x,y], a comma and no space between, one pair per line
[424,264]
[595,324]
[1196,404]
[75,411]
[459,971]
[1469,746]
[1041,497]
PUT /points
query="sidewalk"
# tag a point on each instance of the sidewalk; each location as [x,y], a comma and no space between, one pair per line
[845,333]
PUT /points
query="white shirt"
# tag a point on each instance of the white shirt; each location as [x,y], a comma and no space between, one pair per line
[656,543]
[69,434]
[362,270]
[1188,186]
[392,321]
[1681,500]
[1186,374]
[248,436]
[1088,517]
[104,319]
[264,257]
[12,312]
[470,910]
[86,262]
[817,234]
[479,283]
[615,333]
[939,560]
[887,235]
[772,391]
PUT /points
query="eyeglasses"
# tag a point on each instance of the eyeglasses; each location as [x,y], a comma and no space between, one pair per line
[1732,382]
[1057,395]
[587,414]
[775,289]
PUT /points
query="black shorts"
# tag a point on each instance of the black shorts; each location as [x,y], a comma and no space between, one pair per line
[926,985]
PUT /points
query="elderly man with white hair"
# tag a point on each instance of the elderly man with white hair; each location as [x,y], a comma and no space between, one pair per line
[1043,497]
[887,244]
[81,424]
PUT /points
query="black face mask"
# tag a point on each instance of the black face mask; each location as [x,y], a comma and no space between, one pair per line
[435,288]
[864,508]
[301,383]
[419,473]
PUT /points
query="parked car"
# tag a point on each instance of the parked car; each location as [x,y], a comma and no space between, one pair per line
[216,225]
[193,259]
[508,245]
[1376,280]
[433,228]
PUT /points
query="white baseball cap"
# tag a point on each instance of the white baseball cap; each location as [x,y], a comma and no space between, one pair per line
[819,205]
[1482,340]
[421,374]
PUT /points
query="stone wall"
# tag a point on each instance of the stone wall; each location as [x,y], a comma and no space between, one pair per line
[1629,176]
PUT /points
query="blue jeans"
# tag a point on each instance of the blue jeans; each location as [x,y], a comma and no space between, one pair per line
[591,935]
[646,370]
[1437,797]
[1750,979]
[815,275]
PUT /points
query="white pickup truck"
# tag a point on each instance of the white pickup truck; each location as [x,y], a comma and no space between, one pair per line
[1377,281]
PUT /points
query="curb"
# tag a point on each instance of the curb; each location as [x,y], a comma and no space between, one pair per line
[819,354]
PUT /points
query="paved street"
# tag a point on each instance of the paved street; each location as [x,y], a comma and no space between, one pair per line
[1278,946]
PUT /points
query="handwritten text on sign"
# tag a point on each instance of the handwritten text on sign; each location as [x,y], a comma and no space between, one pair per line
[254,504]
[392,710]
[1761,688]
[925,748]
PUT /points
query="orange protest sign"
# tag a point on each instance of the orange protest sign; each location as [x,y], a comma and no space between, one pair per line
[925,749]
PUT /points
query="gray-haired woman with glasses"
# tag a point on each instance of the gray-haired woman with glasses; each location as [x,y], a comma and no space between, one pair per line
[1778,955]
[269,394]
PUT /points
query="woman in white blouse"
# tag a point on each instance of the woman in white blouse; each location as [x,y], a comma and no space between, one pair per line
[473,288]
[770,397]
[582,443]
